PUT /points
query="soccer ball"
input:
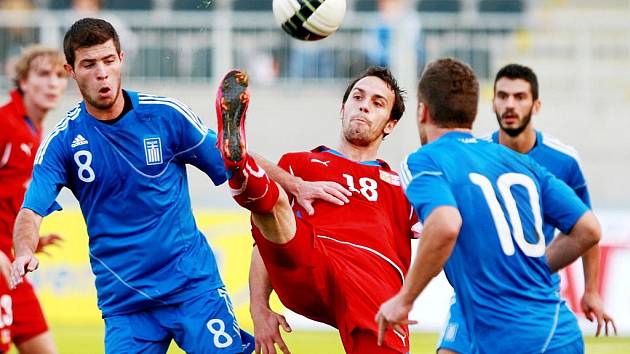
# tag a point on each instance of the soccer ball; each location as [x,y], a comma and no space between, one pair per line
[309,20]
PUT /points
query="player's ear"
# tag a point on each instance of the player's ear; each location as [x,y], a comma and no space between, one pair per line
[22,85]
[536,107]
[69,70]
[341,111]
[389,126]
[423,113]
[121,55]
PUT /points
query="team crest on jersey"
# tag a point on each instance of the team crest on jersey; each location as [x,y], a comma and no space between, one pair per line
[153,151]
[390,178]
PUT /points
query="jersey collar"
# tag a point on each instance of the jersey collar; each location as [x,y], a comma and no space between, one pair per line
[133,95]
[18,103]
[456,135]
[377,162]
[539,139]
[20,110]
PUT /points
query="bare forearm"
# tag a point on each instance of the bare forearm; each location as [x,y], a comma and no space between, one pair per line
[26,232]
[259,283]
[590,264]
[438,239]
[565,249]
[428,264]
[287,181]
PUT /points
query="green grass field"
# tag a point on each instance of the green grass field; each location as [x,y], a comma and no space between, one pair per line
[89,340]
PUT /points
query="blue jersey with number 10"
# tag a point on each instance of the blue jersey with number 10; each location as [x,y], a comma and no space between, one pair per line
[498,266]
[130,180]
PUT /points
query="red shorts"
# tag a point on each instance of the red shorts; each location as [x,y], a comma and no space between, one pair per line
[28,318]
[333,282]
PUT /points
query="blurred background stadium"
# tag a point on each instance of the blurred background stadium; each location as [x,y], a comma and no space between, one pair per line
[580,50]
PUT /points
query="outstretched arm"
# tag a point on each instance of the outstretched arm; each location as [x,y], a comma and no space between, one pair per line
[266,322]
[438,239]
[305,193]
[25,239]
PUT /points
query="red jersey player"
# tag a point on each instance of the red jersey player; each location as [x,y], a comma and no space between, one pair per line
[331,262]
[40,81]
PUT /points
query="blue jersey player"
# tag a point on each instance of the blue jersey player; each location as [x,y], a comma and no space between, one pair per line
[124,156]
[515,101]
[483,208]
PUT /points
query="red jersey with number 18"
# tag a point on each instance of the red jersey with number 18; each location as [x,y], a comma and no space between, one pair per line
[378,217]
[358,253]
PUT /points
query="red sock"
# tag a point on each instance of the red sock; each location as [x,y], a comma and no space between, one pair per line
[252,188]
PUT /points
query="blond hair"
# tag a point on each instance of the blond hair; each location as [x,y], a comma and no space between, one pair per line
[29,54]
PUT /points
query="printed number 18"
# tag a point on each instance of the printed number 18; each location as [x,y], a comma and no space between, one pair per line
[368,187]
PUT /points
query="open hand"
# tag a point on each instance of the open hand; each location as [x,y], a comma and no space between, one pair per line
[267,332]
[332,192]
[394,312]
[593,308]
[21,266]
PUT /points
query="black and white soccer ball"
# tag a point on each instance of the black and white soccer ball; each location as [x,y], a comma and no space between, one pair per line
[309,20]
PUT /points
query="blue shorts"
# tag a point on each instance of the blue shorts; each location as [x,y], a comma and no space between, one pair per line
[567,337]
[577,347]
[455,335]
[205,324]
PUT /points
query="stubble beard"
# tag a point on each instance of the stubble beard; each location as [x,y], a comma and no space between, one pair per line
[357,137]
[103,106]
[514,132]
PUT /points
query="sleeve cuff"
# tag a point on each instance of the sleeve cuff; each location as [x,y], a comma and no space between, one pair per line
[42,211]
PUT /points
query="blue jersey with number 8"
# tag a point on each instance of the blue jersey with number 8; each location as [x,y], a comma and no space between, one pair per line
[131,182]
[498,266]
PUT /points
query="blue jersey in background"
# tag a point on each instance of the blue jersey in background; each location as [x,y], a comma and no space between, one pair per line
[131,183]
[564,163]
[498,266]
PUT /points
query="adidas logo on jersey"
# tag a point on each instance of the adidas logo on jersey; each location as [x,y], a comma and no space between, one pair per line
[78,141]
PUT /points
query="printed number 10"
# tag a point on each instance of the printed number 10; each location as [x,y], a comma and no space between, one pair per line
[505,182]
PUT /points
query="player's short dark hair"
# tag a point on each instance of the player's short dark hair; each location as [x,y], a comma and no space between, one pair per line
[88,32]
[384,74]
[450,90]
[517,71]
